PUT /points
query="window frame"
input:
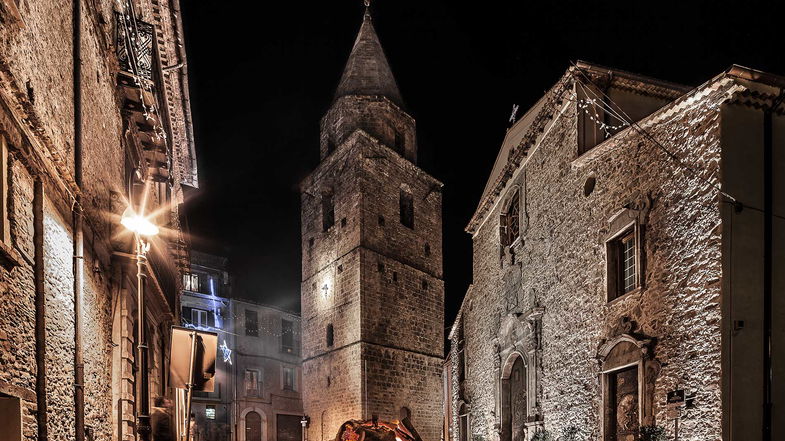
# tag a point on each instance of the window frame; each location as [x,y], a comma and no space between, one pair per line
[511,217]
[256,376]
[255,314]
[287,349]
[292,386]
[625,225]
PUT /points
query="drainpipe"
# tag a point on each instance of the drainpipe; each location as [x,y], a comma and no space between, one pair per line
[78,261]
[40,308]
[768,220]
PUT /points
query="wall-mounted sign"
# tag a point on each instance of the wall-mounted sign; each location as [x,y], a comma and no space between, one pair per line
[675,398]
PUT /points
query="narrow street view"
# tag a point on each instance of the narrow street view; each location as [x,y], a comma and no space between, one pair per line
[391,221]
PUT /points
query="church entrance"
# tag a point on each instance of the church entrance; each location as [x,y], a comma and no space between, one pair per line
[621,407]
[514,402]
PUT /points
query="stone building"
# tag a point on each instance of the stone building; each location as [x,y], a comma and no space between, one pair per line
[205,305]
[268,402]
[94,118]
[257,394]
[623,275]
[372,290]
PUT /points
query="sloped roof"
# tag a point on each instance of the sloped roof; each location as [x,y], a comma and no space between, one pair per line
[527,131]
[367,71]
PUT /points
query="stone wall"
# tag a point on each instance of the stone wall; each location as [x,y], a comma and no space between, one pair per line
[37,122]
[559,265]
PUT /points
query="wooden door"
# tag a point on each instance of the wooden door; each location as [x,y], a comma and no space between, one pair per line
[253,427]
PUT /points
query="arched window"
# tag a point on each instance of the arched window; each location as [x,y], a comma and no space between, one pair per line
[510,222]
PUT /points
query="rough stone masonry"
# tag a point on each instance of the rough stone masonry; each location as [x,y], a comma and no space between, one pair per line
[372,289]
[41,99]
[610,271]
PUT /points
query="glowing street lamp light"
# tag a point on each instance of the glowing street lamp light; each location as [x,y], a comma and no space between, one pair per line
[138,224]
[142,229]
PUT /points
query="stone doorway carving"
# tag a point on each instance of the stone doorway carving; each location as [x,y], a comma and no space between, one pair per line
[514,399]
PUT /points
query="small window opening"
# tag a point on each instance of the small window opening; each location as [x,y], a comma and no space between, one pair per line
[424,284]
[380,267]
[399,142]
[381,221]
[328,212]
[340,269]
[343,222]
[330,336]
[407,209]
[427,249]
[395,276]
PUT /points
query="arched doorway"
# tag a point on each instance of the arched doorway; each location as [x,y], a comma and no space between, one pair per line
[253,426]
[514,400]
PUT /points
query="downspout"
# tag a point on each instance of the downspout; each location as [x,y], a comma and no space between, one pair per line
[40,309]
[78,260]
[768,220]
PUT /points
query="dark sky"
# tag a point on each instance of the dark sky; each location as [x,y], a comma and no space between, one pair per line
[262,78]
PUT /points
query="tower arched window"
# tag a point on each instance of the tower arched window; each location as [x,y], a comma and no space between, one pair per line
[510,221]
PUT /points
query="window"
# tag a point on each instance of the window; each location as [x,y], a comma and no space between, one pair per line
[330,335]
[251,323]
[622,253]
[510,221]
[399,142]
[209,412]
[328,212]
[287,336]
[407,209]
[191,282]
[288,378]
[252,383]
[199,318]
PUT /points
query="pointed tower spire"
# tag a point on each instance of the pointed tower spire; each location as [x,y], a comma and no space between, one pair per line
[367,71]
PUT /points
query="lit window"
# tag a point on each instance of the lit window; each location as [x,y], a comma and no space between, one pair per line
[288,378]
[191,282]
[209,412]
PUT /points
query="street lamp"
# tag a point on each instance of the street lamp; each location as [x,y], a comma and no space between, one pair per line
[143,229]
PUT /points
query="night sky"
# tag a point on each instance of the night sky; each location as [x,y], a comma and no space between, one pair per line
[262,78]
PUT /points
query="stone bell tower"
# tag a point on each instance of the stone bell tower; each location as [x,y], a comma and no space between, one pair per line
[372,289]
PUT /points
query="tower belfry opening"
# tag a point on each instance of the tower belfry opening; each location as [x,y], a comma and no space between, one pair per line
[385,343]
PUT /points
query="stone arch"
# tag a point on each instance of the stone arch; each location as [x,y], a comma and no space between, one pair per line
[516,396]
[627,377]
[242,422]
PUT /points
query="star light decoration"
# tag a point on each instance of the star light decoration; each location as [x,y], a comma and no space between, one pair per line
[227,353]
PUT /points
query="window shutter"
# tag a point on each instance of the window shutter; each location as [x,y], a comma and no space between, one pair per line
[211,318]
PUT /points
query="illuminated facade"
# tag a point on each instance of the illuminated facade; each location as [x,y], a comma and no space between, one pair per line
[372,290]
[257,394]
[94,117]
[620,261]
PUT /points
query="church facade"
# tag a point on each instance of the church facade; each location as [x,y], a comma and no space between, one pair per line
[372,285]
[622,273]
